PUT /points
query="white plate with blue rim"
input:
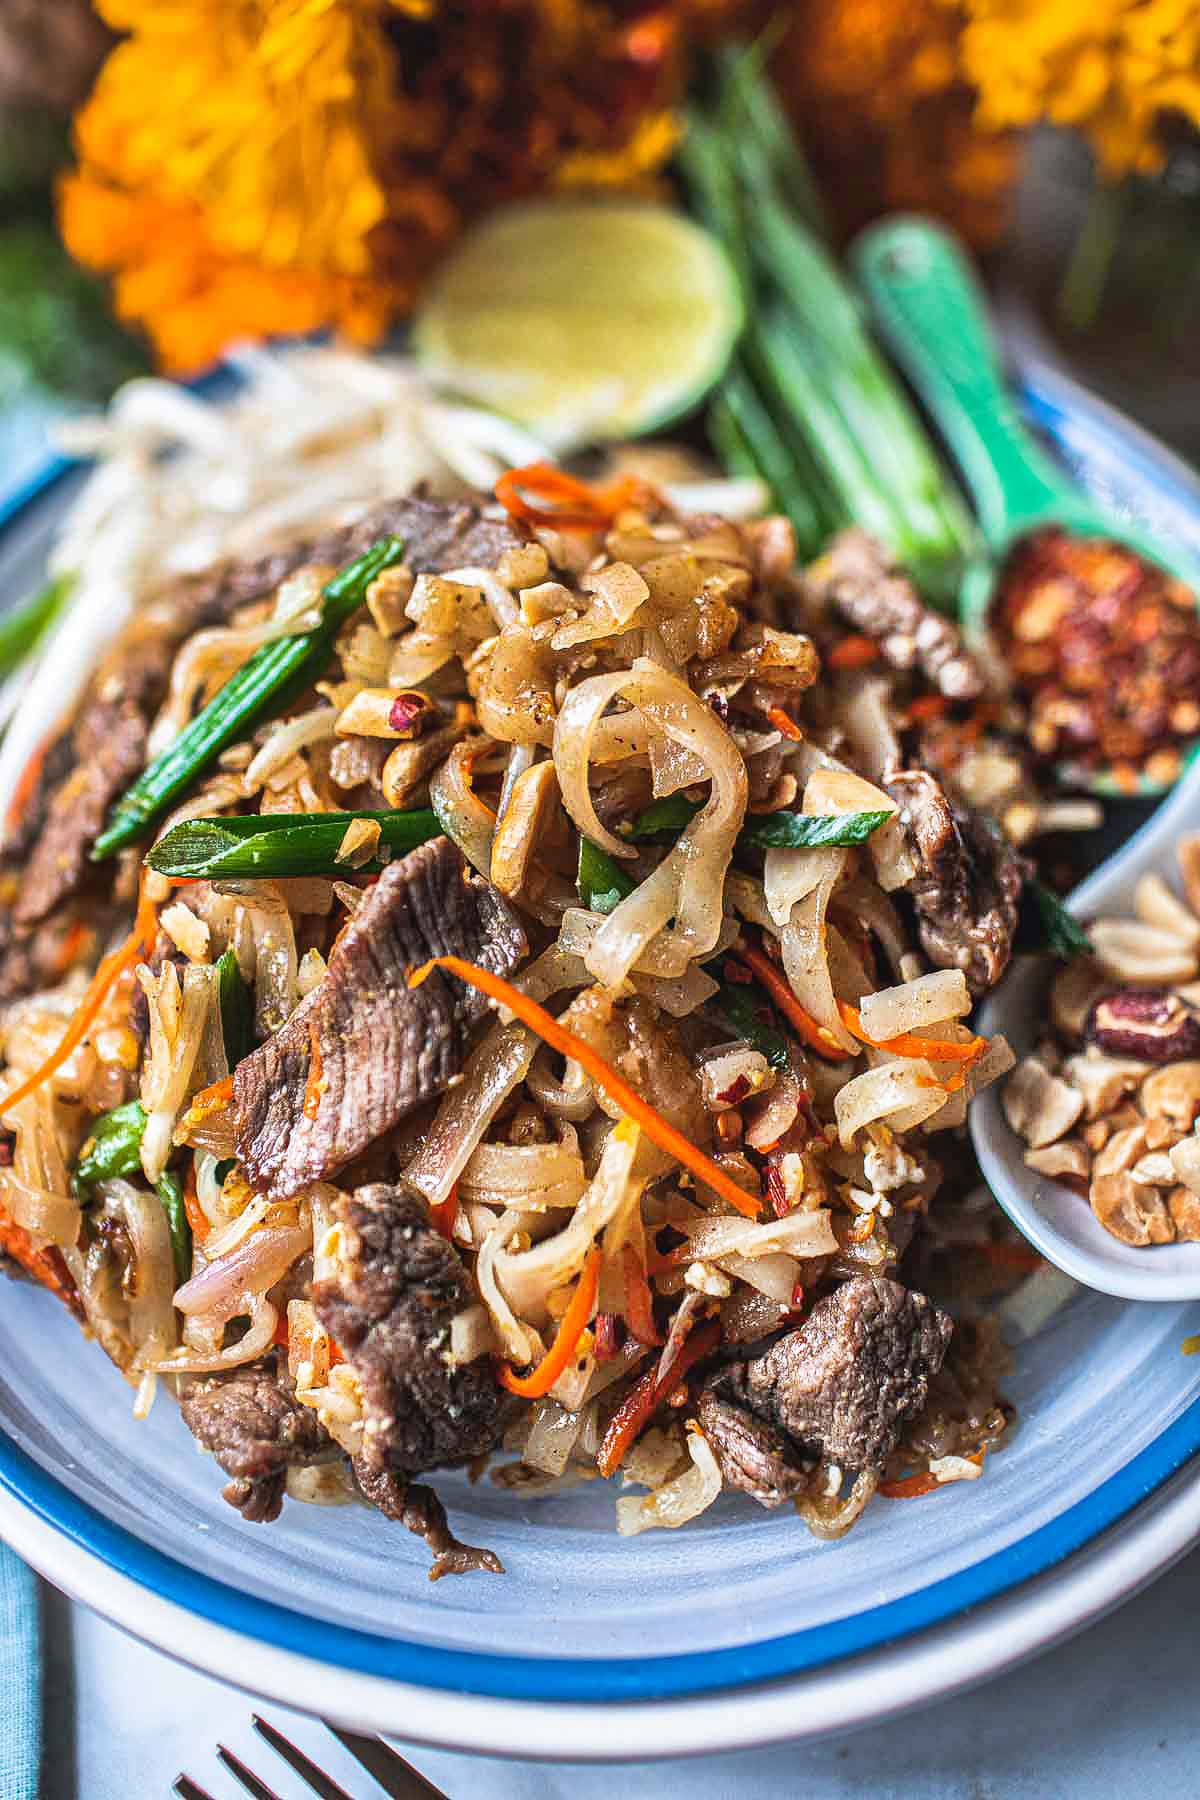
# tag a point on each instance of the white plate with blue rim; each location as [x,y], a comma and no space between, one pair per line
[735,1631]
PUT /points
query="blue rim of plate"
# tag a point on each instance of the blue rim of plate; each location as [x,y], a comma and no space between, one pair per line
[1070,417]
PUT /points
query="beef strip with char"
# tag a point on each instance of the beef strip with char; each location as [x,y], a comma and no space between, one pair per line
[753,1455]
[418,1509]
[844,1383]
[253,1424]
[388,1306]
[91,762]
[859,580]
[969,881]
[364,1047]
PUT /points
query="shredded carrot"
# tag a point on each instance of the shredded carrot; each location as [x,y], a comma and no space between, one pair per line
[908,1043]
[927,706]
[139,943]
[642,1399]
[659,1130]
[211,1099]
[45,1265]
[27,780]
[853,652]
[75,941]
[445,1216]
[576,505]
[639,1313]
[314,1085]
[817,1037]
[784,722]
[197,1218]
[913,1487]
[566,1341]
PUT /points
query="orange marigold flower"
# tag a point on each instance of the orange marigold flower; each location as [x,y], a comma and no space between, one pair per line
[248,167]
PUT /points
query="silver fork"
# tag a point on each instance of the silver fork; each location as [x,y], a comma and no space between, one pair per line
[396,1777]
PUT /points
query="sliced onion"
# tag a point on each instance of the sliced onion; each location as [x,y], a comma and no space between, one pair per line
[680,1500]
[226,1287]
[263,1322]
[774,1276]
[47,1215]
[151,1315]
[553,1434]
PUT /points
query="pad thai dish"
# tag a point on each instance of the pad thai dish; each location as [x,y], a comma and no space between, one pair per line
[491,977]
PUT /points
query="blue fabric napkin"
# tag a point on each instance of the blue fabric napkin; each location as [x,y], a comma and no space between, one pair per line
[20,1679]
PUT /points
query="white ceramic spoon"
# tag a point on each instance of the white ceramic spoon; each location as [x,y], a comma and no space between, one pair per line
[1057,1221]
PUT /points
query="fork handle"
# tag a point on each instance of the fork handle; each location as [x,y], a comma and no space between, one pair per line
[932,314]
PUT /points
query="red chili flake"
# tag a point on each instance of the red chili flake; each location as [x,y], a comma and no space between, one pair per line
[776,1192]
[8,1141]
[737,1090]
[409,712]
[1103,649]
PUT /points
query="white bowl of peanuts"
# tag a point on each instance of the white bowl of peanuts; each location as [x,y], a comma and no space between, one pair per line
[1091,1145]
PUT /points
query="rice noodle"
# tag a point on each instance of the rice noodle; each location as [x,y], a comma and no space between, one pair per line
[527,1278]
[796,1234]
[916,1005]
[534,1176]
[492,1071]
[687,886]
[460,812]
[805,957]
[904,1087]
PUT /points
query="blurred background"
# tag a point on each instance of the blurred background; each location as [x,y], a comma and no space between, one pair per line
[177,175]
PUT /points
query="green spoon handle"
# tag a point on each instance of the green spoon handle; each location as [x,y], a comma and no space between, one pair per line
[932,314]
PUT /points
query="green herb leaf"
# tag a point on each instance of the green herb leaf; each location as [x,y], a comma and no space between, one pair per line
[169,1189]
[602,883]
[1065,937]
[765,831]
[273,846]
[21,629]
[748,1011]
[261,688]
[808,831]
[112,1148]
[674,814]
[237,1013]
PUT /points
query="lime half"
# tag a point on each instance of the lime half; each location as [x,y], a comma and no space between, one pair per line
[583,320]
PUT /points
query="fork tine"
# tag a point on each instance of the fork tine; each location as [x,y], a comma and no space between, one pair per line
[247,1777]
[321,1784]
[187,1789]
[397,1777]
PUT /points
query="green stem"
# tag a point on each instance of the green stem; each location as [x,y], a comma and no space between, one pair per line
[1086,274]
